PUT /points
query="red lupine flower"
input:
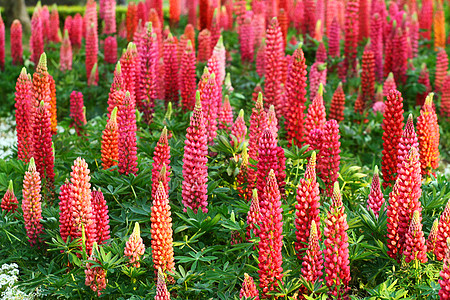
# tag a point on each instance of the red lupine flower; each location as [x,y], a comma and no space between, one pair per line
[161,288]
[54,25]
[42,145]
[31,203]
[210,96]
[317,76]
[141,12]
[195,171]
[171,70]
[432,237]
[444,292]
[445,100]
[414,35]
[95,276]
[66,225]
[129,67]
[192,12]
[75,31]
[162,242]
[271,235]
[267,160]
[415,248]
[109,16]
[296,98]
[334,37]
[329,158]
[23,107]
[337,264]
[110,49]
[261,59]
[312,263]
[441,69]
[16,43]
[65,53]
[337,104]
[424,79]
[204,18]
[389,84]
[100,215]
[126,121]
[400,55]
[134,247]
[110,140]
[309,22]
[393,237]
[253,216]
[68,25]
[239,129]
[77,111]
[316,117]
[226,115]
[376,199]
[247,39]
[443,232]
[188,77]
[37,38]
[161,158]
[428,133]
[376,44]
[273,71]
[9,200]
[368,76]
[248,289]
[91,51]
[392,126]
[364,19]
[131,20]
[351,36]
[204,45]
[407,141]
[307,207]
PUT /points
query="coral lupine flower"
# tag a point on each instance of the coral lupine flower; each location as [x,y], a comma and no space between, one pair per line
[392,126]
[247,39]
[407,141]
[171,70]
[253,216]
[37,38]
[161,289]
[312,263]
[393,237]
[376,44]
[432,237]
[23,107]
[16,43]
[220,53]
[258,122]
[443,232]
[131,20]
[42,145]
[9,200]
[162,241]
[226,115]
[267,160]
[31,203]
[80,202]
[210,96]
[65,53]
[128,64]
[441,69]
[415,248]
[337,264]
[368,76]
[337,104]
[316,117]
[195,171]
[428,133]
[329,156]
[52,108]
[41,85]
[95,276]
[100,212]
[351,35]
[66,225]
[187,78]
[295,97]
[91,51]
[204,45]
[389,84]
[239,129]
[273,71]
[248,289]
[77,111]
[126,121]
[110,140]
[307,207]
[174,12]
[444,292]
[110,49]
[161,157]
[134,247]
[271,234]
[334,37]
[376,199]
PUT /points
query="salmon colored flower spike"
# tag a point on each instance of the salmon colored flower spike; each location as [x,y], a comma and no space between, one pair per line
[110,140]
[134,247]
[316,117]
[24,105]
[37,37]
[415,248]
[92,53]
[31,203]
[101,217]
[389,84]
[226,114]
[254,216]
[161,158]
[432,237]
[248,289]
[95,275]
[9,200]
[441,69]
[161,289]
[337,104]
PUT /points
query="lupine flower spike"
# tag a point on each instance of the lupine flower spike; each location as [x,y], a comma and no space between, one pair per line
[407,141]
[253,216]
[9,200]
[415,248]
[100,212]
[16,43]
[161,289]
[23,107]
[161,158]
[316,117]
[329,156]
[376,199]
[31,203]
[239,129]
[337,104]
[77,112]
[443,232]
[126,120]
[226,115]
[110,140]
[432,237]
[312,263]
[444,282]
[187,77]
[95,276]
[66,224]
[248,289]
[135,248]
[65,54]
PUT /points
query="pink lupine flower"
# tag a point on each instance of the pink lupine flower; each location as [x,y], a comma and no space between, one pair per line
[16,43]
[432,237]
[204,45]
[220,53]
[77,112]
[376,43]
[317,76]
[334,37]
[53,29]
[31,203]
[351,36]
[312,263]
[316,117]
[329,158]
[226,115]
[415,248]
[261,59]
[126,119]
[91,51]
[424,79]
[37,38]
[45,19]
[443,232]
[2,44]
[267,160]
[444,282]
[109,16]
[337,104]
[188,77]
[161,158]
[239,129]
[307,207]
[171,70]
[134,247]
[75,32]
[66,225]
[95,276]
[337,264]
[9,200]
[248,289]
[128,66]
[195,171]
[23,107]
[271,235]
[407,141]
[161,289]
[100,215]
[247,39]
[209,97]
[110,49]
[114,100]
[376,199]
[309,22]
[393,237]
[65,53]
[253,216]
